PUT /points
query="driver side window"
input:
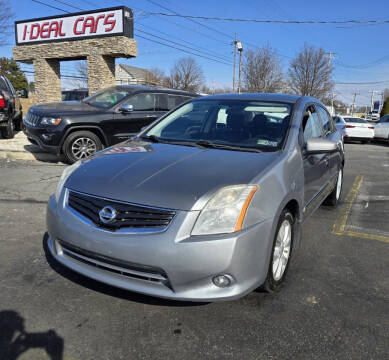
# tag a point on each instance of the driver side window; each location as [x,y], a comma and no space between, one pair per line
[311,125]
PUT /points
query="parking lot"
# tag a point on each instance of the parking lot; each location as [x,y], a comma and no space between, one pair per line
[334,304]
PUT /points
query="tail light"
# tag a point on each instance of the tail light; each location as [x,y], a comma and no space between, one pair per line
[371,127]
[350,126]
[2,102]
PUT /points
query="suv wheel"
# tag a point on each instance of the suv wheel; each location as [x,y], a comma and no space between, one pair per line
[8,132]
[80,145]
[333,198]
[281,252]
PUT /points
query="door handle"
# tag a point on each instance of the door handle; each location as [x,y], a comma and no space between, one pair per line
[151,116]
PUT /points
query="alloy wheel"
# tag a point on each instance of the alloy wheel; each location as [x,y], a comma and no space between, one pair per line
[282,250]
[83,147]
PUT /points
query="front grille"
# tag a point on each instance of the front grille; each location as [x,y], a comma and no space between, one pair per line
[127,215]
[136,271]
[31,119]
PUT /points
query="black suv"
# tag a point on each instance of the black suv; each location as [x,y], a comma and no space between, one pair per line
[79,129]
[10,109]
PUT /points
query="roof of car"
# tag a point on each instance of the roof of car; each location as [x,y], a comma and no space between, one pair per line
[154,88]
[255,97]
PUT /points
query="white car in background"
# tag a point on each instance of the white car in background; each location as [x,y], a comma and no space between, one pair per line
[358,129]
[381,128]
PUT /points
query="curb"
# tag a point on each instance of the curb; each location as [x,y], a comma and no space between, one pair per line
[27,156]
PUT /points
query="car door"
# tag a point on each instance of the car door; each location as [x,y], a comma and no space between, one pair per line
[330,133]
[125,124]
[315,165]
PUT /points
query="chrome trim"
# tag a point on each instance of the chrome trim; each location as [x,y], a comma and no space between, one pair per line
[121,230]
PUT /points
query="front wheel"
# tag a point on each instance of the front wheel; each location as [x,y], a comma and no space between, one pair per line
[281,252]
[333,198]
[80,145]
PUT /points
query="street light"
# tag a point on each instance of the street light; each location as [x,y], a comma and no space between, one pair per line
[239,46]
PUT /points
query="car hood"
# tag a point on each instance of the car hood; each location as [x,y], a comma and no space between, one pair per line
[64,108]
[165,175]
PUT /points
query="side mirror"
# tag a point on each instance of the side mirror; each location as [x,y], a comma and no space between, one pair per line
[126,108]
[320,146]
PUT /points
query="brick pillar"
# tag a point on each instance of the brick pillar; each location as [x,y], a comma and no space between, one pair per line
[101,72]
[47,80]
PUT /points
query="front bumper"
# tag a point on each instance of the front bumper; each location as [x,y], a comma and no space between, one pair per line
[169,264]
[46,140]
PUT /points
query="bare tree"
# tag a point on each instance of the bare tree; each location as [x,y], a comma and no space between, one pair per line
[186,74]
[156,76]
[262,71]
[6,27]
[82,75]
[310,73]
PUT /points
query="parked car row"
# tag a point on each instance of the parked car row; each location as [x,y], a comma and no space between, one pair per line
[354,128]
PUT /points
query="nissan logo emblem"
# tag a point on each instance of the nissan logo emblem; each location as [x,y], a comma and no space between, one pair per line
[107,214]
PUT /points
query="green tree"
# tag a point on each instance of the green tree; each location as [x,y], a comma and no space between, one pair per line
[385,107]
[11,70]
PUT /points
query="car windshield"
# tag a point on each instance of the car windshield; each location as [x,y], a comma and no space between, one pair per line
[108,97]
[233,124]
[354,120]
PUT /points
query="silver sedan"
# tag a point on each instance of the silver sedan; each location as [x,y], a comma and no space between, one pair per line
[206,203]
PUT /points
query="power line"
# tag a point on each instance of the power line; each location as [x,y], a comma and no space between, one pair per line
[362,83]
[190,18]
[51,6]
[274,21]
[67,4]
[173,42]
[185,51]
[220,56]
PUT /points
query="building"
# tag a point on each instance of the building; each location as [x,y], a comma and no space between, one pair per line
[125,74]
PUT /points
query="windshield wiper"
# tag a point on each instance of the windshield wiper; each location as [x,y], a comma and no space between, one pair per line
[208,144]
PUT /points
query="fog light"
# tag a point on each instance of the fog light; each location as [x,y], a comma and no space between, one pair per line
[221,281]
[47,137]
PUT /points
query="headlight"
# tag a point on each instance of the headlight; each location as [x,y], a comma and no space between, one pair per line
[66,173]
[50,121]
[225,211]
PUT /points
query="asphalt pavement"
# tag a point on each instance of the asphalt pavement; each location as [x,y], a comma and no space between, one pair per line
[334,304]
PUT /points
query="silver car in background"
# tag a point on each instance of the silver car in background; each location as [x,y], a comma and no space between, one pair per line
[206,203]
[381,128]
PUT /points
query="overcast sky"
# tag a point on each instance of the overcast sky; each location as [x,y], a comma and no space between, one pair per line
[362,53]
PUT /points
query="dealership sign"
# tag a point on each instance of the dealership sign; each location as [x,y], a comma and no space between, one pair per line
[75,26]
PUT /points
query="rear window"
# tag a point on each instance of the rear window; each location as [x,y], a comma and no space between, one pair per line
[354,120]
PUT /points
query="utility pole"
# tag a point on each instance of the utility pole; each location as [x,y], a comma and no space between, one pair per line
[372,99]
[240,49]
[332,101]
[330,56]
[353,105]
[233,78]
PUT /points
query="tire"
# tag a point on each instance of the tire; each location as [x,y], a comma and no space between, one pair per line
[333,198]
[19,122]
[80,145]
[278,267]
[8,132]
